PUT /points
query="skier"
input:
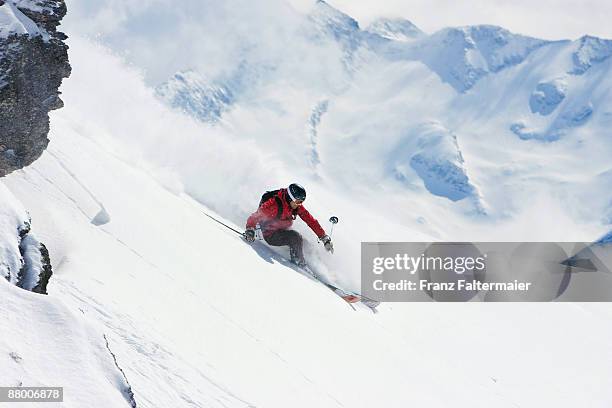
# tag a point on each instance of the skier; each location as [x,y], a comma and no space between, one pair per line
[275,215]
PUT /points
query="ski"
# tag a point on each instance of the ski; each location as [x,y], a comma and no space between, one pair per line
[348,297]
[370,303]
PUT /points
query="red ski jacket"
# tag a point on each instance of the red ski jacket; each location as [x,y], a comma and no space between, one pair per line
[269,221]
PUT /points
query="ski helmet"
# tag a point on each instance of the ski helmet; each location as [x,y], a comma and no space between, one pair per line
[296,192]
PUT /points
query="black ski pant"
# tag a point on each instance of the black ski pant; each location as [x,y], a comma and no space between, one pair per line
[291,238]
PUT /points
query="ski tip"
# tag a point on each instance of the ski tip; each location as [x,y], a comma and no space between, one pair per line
[351,298]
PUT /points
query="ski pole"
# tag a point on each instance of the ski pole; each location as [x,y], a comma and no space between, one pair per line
[225,225]
[216,220]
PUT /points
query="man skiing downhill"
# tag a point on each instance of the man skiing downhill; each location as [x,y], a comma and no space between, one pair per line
[274,217]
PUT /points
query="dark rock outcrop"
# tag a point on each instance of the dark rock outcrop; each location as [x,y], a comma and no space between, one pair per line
[35,271]
[33,63]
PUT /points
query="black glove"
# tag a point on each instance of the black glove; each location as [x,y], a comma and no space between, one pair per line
[327,243]
[249,235]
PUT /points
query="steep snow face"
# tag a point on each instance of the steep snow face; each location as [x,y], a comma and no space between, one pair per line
[196,96]
[462,56]
[396,29]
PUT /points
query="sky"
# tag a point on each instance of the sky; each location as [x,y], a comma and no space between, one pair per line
[207,35]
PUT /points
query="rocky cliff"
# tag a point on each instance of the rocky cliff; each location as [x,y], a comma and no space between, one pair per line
[33,62]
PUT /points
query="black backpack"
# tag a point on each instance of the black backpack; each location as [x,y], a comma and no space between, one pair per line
[269,194]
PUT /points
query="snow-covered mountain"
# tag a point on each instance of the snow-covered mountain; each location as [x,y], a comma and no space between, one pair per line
[462,56]
[465,134]
[499,94]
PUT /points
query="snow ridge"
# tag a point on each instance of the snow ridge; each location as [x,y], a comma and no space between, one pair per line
[462,56]
[342,26]
[396,29]
[328,23]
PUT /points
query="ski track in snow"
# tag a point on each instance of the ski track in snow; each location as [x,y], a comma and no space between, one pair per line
[48,180]
[76,179]
[61,163]
[82,211]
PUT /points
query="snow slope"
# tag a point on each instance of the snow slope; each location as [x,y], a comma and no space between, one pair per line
[47,344]
[196,317]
